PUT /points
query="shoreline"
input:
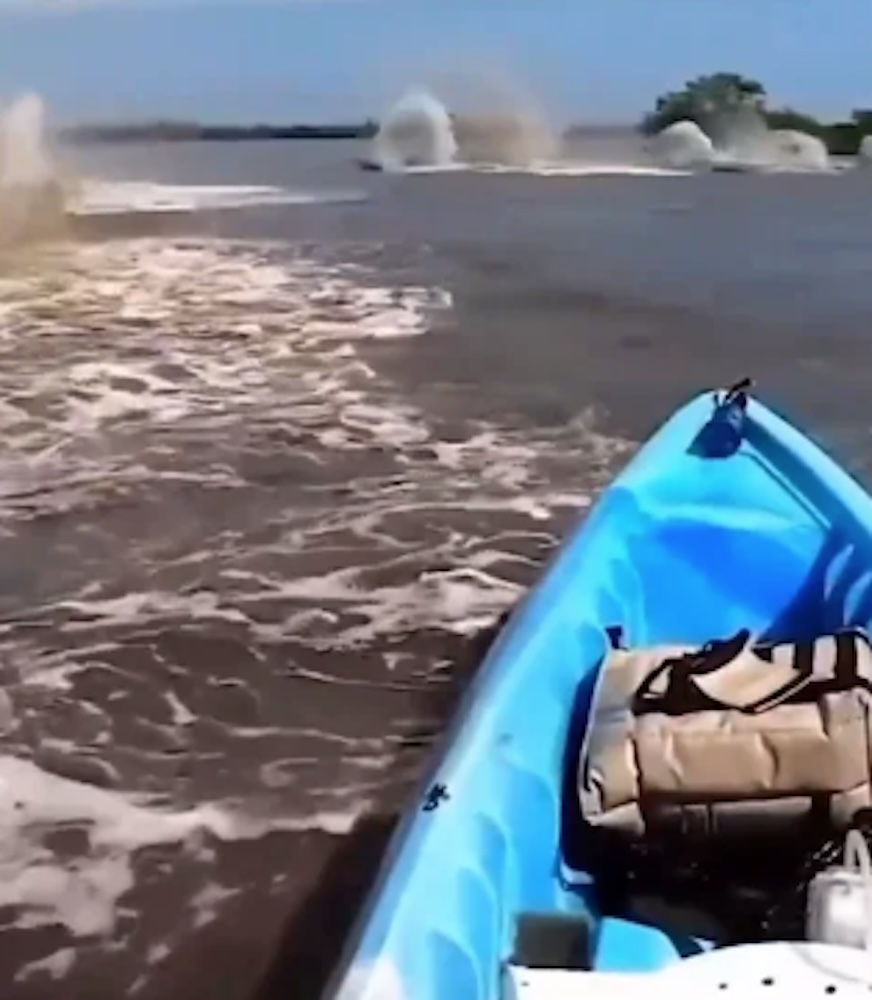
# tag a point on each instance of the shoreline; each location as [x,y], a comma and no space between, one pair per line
[169,132]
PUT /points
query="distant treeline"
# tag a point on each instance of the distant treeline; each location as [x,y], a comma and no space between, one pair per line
[710,100]
[168,131]
[840,138]
[703,100]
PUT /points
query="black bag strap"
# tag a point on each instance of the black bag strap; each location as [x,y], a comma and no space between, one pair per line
[829,663]
[681,696]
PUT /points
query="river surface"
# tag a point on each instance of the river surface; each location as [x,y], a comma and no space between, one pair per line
[282,440]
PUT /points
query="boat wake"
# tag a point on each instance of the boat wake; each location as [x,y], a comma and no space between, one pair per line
[218,520]
[554,169]
[103,198]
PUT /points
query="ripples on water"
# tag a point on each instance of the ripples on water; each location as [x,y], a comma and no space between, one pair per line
[240,570]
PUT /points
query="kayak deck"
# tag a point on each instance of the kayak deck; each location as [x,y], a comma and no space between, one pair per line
[770,970]
[683,547]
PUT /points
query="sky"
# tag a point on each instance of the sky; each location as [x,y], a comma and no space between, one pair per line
[341,60]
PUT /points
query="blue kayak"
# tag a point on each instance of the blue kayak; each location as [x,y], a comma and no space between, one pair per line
[728,518]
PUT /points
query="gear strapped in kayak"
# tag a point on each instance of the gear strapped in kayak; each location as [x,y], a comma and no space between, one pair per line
[696,759]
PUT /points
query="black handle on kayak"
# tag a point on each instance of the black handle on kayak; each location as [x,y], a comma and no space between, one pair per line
[722,436]
[737,393]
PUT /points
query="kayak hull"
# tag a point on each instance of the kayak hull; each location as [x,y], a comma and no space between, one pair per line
[681,548]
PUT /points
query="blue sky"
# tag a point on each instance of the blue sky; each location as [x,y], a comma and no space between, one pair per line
[602,60]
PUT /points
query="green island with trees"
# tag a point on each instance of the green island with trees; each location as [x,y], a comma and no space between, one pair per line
[707,99]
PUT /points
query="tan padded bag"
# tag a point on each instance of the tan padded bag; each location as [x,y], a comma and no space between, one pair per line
[729,740]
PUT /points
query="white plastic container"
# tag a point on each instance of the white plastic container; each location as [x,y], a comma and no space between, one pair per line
[838,906]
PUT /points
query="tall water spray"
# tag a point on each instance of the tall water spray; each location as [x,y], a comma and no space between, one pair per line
[499,122]
[740,136]
[24,156]
[31,196]
[492,125]
[738,139]
[800,151]
[417,132]
[513,138]
[864,153]
[743,140]
[681,146]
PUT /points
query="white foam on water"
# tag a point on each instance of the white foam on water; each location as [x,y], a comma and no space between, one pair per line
[552,169]
[206,903]
[197,330]
[217,315]
[440,168]
[459,600]
[105,198]
[82,895]
[157,953]
[608,170]
[181,714]
[114,353]
[55,966]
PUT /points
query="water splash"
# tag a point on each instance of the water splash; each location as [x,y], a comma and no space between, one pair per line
[24,155]
[743,140]
[739,139]
[509,139]
[499,122]
[489,126]
[800,151]
[31,193]
[682,146]
[741,136]
[864,153]
[417,132]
